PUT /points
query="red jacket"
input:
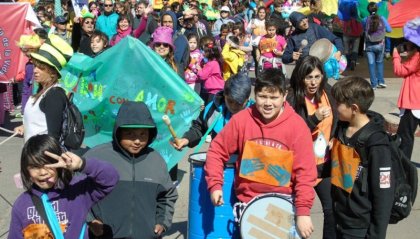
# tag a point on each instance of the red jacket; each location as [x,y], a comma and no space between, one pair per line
[290,131]
[410,89]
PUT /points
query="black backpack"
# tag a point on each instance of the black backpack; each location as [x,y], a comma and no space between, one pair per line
[404,173]
[72,131]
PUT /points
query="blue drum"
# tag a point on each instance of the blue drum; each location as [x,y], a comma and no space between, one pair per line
[204,219]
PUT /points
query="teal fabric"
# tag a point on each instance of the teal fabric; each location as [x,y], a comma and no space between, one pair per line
[51,217]
[130,71]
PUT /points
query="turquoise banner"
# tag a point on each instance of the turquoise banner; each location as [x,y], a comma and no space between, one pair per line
[130,71]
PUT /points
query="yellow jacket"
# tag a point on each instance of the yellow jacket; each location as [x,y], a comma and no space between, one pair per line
[233,59]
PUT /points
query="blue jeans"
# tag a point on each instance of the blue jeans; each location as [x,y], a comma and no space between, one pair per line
[375,55]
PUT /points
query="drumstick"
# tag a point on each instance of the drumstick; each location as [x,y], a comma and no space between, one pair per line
[303,44]
[167,121]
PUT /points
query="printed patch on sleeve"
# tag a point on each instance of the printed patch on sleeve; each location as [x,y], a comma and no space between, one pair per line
[385,177]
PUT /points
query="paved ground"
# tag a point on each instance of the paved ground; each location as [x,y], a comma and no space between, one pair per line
[385,103]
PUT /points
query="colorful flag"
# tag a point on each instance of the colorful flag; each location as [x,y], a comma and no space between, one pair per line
[130,71]
[15,20]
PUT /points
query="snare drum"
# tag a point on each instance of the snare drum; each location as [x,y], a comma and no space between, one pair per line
[269,216]
[204,219]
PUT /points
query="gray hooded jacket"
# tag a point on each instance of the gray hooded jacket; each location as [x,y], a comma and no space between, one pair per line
[145,195]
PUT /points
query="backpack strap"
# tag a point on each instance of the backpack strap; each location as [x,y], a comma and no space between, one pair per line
[362,150]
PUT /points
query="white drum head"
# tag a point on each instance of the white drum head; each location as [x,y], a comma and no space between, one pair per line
[268,216]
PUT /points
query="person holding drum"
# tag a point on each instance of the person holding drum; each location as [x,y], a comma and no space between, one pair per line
[233,98]
[304,35]
[310,97]
[275,155]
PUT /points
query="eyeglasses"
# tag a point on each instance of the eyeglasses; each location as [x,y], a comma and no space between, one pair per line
[313,78]
[159,44]
[108,5]
[88,22]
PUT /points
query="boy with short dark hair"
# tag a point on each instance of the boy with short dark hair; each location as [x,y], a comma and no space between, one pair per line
[362,188]
[142,204]
[270,125]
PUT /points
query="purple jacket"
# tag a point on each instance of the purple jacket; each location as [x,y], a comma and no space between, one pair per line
[71,204]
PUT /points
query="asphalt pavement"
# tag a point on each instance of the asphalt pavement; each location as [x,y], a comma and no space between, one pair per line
[385,103]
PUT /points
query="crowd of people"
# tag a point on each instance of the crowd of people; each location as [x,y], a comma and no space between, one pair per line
[123,189]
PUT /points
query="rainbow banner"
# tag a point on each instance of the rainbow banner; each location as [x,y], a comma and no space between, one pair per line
[130,71]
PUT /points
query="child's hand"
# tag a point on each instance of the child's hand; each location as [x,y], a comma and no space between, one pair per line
[159,229]
[217,198]
[19,130]
[67,160]
[96,227]
[304,226]
[179,143]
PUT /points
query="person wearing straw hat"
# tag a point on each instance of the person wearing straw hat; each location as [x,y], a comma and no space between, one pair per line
[29,44]
[44,110]
[409,99]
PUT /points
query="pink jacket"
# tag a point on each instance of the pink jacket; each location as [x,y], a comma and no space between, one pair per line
[211,75]
[410,89]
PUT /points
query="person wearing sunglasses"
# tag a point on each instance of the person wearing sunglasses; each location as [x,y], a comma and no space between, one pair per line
[107,22]
[82,30]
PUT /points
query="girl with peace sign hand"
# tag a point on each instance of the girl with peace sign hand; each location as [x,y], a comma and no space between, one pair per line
[48,174]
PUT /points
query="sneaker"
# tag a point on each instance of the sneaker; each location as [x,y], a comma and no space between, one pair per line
[208,138]
[374,88]
[382,85]
[387,55]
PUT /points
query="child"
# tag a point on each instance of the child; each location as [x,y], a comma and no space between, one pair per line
[270,125]
[362,189]
[98,43]
[375,29]
[233,57]
[221,38]
[271,48]
[409,99]
[142,204]
[47,174]
[210,73]
[226,103]
[195,59]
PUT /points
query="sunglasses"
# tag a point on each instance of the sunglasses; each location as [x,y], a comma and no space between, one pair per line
[159,44]
[108,5]
[88,22]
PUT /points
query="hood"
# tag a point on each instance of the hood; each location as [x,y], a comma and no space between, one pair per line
[295,18]
[174,19]
[287,112]
[137,115]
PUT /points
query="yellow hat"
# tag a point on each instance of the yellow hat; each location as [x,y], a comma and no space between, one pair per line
[29,41]
[55,52]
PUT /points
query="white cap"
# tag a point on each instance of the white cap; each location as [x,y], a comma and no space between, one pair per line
[225,9]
